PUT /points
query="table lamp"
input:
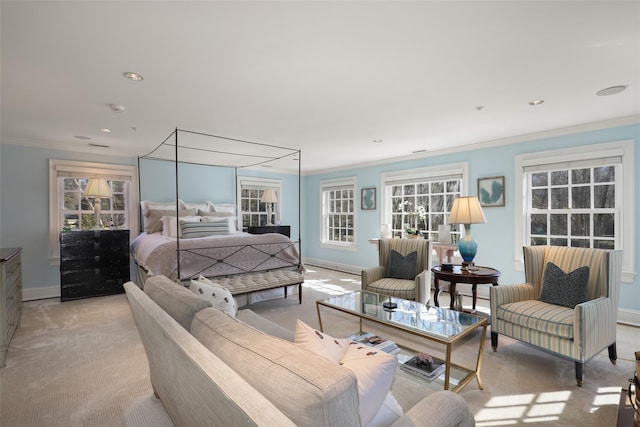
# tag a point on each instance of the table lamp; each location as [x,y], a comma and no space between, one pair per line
[466,210]
[97,188]
[269,197]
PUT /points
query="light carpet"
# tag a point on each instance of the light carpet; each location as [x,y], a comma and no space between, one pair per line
[81,363]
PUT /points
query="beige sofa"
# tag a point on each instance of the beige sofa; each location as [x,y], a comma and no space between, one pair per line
[209,368]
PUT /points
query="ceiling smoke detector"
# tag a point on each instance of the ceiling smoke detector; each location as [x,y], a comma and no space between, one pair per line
[117,108]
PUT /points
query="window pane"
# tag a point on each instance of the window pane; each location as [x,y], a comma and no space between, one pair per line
[604,244]
[579,243]
[538,224]
[604,174]
[603,225]
[538,241]
[580,225]
[71,201]
[604,196]
[560,178]
[423,188]
[539,199]
[539,179]
[437,187]
[408,190]
[559,198]
[558,223]
[554,241]
[581,176]
[437,204]
[453,186]
[581,197]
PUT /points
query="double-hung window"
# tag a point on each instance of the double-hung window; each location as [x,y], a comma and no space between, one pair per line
[253,211]
[420,200]
[338,213]
[70,209]
[578,197]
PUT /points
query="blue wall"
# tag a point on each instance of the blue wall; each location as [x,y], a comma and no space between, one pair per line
[24,207]
[24,198]
[496,244]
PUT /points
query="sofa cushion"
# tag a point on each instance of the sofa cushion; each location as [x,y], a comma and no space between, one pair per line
[175,299]
[539,316]
[325,393]
[567,289]
[389,412]
[403,267]
[320,343]
[375,371]
[219,296]
[400,288]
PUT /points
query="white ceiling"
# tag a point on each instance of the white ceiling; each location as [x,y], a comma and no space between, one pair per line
[324,77]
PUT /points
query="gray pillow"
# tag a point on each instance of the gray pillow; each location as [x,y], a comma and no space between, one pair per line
[567,289]
[403,267]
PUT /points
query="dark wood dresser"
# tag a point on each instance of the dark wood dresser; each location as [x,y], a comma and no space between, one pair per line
[93,263]
[10,297]
[281,229]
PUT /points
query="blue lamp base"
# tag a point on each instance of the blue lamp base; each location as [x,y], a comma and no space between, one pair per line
[468,247]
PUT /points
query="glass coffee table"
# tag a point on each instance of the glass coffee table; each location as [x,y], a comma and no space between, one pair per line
[439,325]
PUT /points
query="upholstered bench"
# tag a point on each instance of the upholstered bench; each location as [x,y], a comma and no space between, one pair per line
[261,281]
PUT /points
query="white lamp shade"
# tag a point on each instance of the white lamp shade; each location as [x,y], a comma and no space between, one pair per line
[269,196]
[97,187]
[466,210]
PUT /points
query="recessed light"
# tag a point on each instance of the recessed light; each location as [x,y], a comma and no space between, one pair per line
[105,130]
[91,144]
[419,151]
[536,102]
[133,76]
[82,137]
[611,90]
[377,141]
[480,107]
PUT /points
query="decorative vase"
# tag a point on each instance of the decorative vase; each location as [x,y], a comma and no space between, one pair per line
[458,303]
[412,236]
[385,231]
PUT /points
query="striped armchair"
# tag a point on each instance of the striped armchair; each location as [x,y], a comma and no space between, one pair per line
[376,279]
[577,333]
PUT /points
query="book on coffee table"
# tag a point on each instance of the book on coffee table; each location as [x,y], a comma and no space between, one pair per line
[377,342]
[427,371]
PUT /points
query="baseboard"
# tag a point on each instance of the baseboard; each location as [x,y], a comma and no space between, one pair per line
[352,269]
[40,293]
[629,317]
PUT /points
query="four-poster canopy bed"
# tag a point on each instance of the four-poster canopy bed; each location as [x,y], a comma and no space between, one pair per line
[184,240]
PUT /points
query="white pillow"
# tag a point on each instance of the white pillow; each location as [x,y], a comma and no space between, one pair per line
[146,206]
[223,207]
[388,413]
[320,343]
[374,370]
[219,296]
[231,220]
[170,227]
[204,206]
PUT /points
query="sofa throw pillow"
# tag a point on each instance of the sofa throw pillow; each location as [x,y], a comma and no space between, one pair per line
[403,267]
[374,371]
[219,296]
[320,343]
[566,289]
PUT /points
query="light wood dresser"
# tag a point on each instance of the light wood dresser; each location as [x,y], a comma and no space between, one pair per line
[10,297]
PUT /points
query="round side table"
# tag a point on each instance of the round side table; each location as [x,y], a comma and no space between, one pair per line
[484,275]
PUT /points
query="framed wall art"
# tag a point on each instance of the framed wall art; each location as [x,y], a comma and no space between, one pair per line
[368,199]
[491,191]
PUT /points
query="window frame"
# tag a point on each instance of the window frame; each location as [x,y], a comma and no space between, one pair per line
[262,184]
[623,149]
[389,179]
[92,170]
[328,185]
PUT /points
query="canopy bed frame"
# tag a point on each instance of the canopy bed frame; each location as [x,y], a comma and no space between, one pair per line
[243,262]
